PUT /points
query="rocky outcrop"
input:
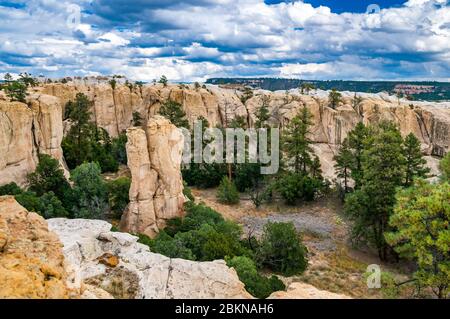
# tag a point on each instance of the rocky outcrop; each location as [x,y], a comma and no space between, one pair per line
[156,193]
[25,132]
[113,109]
[120,266]
[299,290]
[31,257]
[429,122]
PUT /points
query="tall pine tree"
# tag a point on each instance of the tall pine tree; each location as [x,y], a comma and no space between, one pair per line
[356,140]
[345,161]
[415,163]
[296,142]
[383,168]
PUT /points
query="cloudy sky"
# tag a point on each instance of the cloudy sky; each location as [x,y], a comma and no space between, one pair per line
[193,40]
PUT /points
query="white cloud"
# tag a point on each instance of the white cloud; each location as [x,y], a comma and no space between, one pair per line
[200,38]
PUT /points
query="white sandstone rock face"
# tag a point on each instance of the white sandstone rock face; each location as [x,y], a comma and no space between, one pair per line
[105,264]
[156,193]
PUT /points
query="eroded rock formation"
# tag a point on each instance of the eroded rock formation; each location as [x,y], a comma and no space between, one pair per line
[156,193]
[31,257]
[116,264]
[25,132]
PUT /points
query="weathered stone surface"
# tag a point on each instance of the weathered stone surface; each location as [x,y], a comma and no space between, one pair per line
[298,290]
[26,131]
[156,193]
[31,257]
[139,273]
[430,122]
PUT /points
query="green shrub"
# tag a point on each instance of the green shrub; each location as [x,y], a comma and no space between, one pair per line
[90,191]
[167,246]
[52,207]
[187,192]
[10,189]
[257,285]
[203,232]
[48,205]
[16,91]
[48,177]
[247,176]
[297,186]
[173,111]
[197,215]
[281,249]
[30,201]
[118,148]
[137,119]
[118,194]
[227,192]
[204,175]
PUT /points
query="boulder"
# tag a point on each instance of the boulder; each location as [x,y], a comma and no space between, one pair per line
[137,273]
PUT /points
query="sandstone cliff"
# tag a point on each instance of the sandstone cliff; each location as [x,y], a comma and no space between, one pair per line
[156,193]
[31,258]
[113,109]
[25,132]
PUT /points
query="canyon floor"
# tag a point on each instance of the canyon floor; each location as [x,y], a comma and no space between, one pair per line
[334,264]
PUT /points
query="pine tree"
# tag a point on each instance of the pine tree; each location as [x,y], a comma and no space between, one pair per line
[137,119]
[306,87]
[16,91]
[356,140]
[8,77]
[334,98]
[262,115]
[415,163]
[370,207]
[296,143]
[444,166]
[420,220]
[85,142]
[163,80]
[173,111]
[316,168]
[345,161]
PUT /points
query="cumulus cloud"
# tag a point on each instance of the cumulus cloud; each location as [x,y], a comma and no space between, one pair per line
[195,39]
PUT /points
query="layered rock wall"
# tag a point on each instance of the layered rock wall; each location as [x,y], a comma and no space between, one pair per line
[25,132]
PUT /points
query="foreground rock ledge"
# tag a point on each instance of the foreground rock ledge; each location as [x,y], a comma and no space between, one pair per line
[120,266]
[31,257]
[299,290]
